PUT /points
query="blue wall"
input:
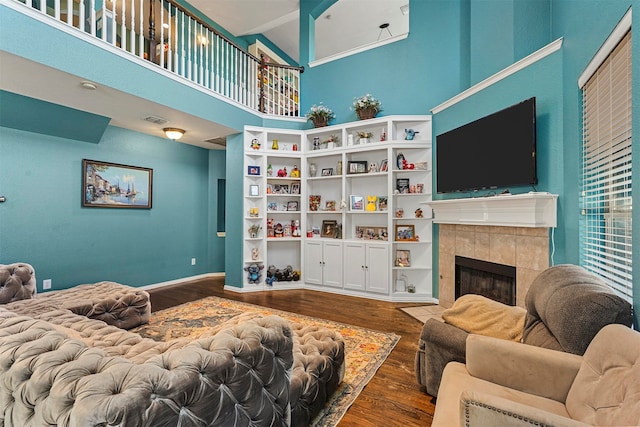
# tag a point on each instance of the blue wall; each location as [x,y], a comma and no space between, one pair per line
[43,223]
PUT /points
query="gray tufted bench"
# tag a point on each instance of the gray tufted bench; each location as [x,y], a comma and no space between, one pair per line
[115,304]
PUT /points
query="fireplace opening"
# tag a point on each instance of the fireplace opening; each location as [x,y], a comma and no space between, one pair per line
[491,280]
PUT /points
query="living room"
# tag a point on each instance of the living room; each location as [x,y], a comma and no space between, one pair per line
[451,47]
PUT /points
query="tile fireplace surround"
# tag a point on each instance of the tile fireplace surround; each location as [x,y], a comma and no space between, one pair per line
[525,248]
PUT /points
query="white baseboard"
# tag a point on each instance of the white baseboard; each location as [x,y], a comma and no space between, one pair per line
[181,281]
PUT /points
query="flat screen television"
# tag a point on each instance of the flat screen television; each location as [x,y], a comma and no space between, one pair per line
[496,151]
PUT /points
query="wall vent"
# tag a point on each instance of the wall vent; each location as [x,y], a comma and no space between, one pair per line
[221,141]
[156,120]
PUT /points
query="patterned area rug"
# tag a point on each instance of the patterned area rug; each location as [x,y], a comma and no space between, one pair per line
[365,349]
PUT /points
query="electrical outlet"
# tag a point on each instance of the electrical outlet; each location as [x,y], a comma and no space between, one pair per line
[46,284]
[193,261]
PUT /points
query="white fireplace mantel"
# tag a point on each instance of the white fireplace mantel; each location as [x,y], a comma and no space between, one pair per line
[519,210]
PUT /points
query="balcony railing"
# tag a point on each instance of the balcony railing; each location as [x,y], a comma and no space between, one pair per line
[173,38]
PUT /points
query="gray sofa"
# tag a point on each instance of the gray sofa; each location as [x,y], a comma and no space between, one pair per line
[566,306]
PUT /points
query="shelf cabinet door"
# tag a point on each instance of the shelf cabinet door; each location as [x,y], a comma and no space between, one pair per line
[313,262]
[377,268]
[355,264]
[332,267]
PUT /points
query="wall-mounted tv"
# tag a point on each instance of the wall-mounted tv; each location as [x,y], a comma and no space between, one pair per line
[496,151]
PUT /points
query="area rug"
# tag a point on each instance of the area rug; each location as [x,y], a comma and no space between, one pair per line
[424,312]
[365,349]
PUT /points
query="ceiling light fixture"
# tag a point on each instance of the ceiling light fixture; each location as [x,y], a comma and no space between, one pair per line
[88,86]
[173,133]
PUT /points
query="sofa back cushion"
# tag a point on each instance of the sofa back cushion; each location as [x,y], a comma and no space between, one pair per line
[606,390]
[17,282]
[567,306]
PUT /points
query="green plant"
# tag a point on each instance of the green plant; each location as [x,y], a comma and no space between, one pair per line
[367,101]
[320,112]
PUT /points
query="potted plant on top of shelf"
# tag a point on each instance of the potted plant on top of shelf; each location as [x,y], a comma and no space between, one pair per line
[367,106]
[320,115]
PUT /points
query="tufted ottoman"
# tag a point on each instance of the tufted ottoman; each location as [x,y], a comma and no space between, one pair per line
[113,303]
[17,282]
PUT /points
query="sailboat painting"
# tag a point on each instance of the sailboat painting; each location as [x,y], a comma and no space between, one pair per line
[112,185]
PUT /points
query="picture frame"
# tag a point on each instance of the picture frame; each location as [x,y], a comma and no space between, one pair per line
[384,166]
[315,230]
[254,190]
[403,258]
[295,188]
[405,233]
[253,170]
[357,203]
[357,166]
[330,205]
[402,185]
[281,189]
[327,172]
[370,232]
[383,203]
[103,185]
[292,205]
[329,228]
[314,202]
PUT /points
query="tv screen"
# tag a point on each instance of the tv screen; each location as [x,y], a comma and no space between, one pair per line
[496,151]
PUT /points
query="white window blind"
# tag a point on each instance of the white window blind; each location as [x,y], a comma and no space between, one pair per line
[606,170]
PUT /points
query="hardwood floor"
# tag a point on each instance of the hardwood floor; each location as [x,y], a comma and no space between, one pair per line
[393,397]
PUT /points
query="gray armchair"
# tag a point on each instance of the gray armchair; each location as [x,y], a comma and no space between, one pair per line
[566,307]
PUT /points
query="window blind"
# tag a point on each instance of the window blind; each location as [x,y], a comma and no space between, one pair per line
[606,202]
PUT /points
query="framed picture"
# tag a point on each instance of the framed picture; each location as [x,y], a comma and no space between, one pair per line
[314,202]
[357,203]
[405,232]
[357,166]
[315,230]
[253,170]
[382,203]
[402,185]
[327,172]
[112,185]
[254,190]
[330,205]
[281,189]
[329,228]
[383,166]
[272,206]
[269,189]
[403,258]
[295,188]
[382,233]
[292,205]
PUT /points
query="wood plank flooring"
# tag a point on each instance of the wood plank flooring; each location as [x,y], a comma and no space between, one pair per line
[393,398]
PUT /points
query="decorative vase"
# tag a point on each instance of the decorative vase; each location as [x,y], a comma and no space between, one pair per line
[320,122]
[367,113]
[313,169]
[363,141]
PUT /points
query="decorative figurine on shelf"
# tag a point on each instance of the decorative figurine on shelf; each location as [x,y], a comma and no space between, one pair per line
[278,230]
[255,144]
[338,232]
[409,134]
[383,134]
[269,171]
[295,228]
[418,213]
[254,212]
[255,254]
[371,203]
[400,160]
[254,230]
[255,272]
[406,165]
[282,172]
[271,275]
[316,143]
[295,172]
[274,145]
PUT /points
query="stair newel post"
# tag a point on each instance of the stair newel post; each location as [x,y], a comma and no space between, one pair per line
[261,83]
[152,32]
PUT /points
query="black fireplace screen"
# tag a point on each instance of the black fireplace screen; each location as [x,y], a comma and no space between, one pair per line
[495,281]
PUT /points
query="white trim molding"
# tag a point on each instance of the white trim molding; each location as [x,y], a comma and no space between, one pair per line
[501,75]
[181,281]
[358,49]
[612,41]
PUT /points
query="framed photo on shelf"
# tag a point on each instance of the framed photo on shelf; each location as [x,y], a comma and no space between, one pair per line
[329,228]
[315,230]
[382,233]
[281,189]
[405,233]
[382,203]
[357,166]
[314,202]
[384,166]
[403,258]
[330,205]
[254,190]
[327,172]
[402,185]
[357,203]
[295,188]
[253,170]
[292,205]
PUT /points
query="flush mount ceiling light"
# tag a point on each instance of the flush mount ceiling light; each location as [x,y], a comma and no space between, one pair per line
[88,85]
[383,27]
[173,133]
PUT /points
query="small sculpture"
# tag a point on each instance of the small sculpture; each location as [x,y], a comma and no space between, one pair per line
[282,173]
[278,230]
[255,254]
[253,231]
[418,213]
[255,144]
[269,171]
[371,203]
[295,172]
[410,134]
[255,272]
